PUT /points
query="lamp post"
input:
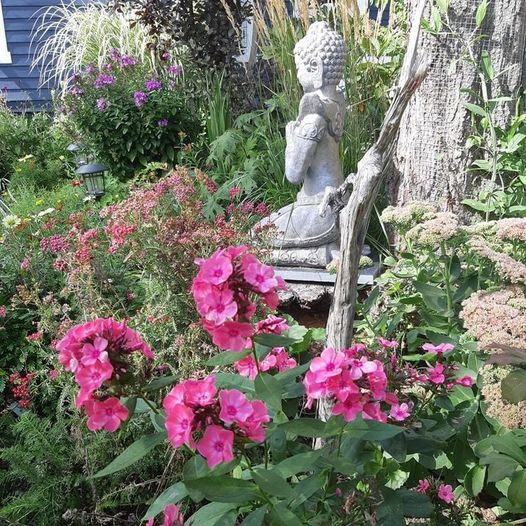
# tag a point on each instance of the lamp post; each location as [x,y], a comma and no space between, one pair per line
[94,180]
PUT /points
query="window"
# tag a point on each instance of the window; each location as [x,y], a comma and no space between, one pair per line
[5,56]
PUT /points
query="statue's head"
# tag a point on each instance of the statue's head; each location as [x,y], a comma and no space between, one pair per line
[320,57]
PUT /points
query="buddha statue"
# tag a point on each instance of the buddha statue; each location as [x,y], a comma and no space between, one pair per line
[300,235]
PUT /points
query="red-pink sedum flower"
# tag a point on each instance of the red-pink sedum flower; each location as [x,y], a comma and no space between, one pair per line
[106,415]
[216,445]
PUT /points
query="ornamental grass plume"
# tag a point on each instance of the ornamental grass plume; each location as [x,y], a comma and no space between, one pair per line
[507,268]
[496,317]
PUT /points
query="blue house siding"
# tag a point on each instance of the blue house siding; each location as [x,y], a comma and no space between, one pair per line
[22,85]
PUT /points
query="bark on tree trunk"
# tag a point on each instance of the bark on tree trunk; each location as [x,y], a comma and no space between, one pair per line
[431,159]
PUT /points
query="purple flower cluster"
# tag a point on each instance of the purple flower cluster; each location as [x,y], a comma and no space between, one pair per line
[162,123]
[102,104]
[153,85]
[140,98]
[103,80]
[127,61]
[174,70]
[76,91]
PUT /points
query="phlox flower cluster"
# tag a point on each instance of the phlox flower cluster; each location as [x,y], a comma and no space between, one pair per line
[220,418]
[278,360]
[98,354]
[431,487]
[224,289]
[357,384]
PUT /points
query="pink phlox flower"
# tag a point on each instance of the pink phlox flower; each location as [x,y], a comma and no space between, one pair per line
[391,399]
[271,325]
[436,374]
[439,349]
[216,445]
[314,389]
[445,493]
[235,252]
[234,406]
[106,415]
[247,367]
[423,486]
[216,269]
[69,358]
[271,300]
[233,336]
[172,516]
[270,361]
[260,276]
[283,360]
[91,378]
[349,408]
[400,412]
[387,344]
[95,352]
[174,397]
[372,411]
[178,424]
[342,385]
[328,364]
[377,384]
[200,393]
[466,381]
[218,306]
[253,425]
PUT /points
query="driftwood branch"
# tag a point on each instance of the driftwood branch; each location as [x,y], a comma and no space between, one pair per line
[355,215]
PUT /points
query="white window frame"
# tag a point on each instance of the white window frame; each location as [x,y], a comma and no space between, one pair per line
[5,56]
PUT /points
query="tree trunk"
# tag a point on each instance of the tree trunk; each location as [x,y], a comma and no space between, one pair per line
[431,159]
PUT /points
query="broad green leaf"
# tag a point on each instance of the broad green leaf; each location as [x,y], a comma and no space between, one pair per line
[371,430]
[283,516]
[443,5]
[514,386]
[481,12]
[436,18]
[171,495]
[209,514]
[434,297]
[474,480]
[227,358]
[290,374]
[132,454]
[234,381]
[473,108]
[271,482]
[499,466]
[195,468]
[305,427]
[274,340]
[159,383]
[415,504]
[509,445]
[517,489]
[487,66]
[298,463]
[268,389]
[256,517]
[224,489]
[306,488]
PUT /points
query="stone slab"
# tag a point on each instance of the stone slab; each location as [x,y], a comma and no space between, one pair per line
[321,276]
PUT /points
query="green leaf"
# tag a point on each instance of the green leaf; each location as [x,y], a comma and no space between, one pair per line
[195,468]
[227,358]
[224,489]
[473,108]
[290,374]
[487,66]
[499,466]
[268,389]
[514,386]
[274,340]
[298,463]
[443,5]
[434,297]
[132,454]
[436,18]
[256,517]
[481,12]
[517,489]
[270,481]
[305,427]
[159,383]
[171,495]
[371,430]
[210,514]
[474,480]
[415,504]
[283,516]
[306,488]
[234,381]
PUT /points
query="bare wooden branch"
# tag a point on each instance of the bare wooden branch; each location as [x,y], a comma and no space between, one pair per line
[354,218]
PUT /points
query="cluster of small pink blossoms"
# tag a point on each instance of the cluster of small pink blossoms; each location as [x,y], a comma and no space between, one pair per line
[98,353]
[360,380]
[223,291]
[443,491]
[278,360]
[196,406]
[357,384]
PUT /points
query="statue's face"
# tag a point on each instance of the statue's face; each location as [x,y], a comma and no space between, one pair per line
[310,76]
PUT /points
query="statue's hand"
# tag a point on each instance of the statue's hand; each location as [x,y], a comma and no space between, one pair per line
[334,199]
[289,129]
